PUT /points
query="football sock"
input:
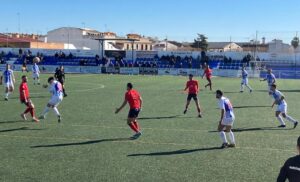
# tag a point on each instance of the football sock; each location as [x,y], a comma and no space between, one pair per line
[279,118]
[242,87]
[223,137]
[27,110]
[132,126]
[56,111]
[231,136]
[46,110]
[249,87]
[289,118]
[6,95]
[136,125]
[32,112]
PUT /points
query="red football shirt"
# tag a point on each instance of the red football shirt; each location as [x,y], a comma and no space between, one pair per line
[133,98]
[208,72]
[193,87]
[24,88]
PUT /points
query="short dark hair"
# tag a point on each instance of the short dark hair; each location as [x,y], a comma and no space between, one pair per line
[191,75]
[219,92]
[274,85]
[129,85]
[298,142]
[50,78]
[23,76]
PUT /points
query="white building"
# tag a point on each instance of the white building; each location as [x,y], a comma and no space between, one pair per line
[223,47]
[78,38]
[277,46]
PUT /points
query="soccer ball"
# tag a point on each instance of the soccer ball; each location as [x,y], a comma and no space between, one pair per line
[36,60]
[45,85]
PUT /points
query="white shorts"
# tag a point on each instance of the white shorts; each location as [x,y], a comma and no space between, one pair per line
[9,84]
[244,81]
[282,108]
[55,101]
[35,75]
[228,121]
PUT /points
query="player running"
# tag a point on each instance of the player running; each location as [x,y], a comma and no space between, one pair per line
[279,100]
[8,79]
[271,79]
[245,80]
[56,98]
[135,102]
[208,74]
[36,73]
[25,99]
[226,120]
[193,87]
[60,76]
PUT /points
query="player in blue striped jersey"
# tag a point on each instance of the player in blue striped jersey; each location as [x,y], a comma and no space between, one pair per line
[8,80]
[271,79]
[245,80]
[36,73]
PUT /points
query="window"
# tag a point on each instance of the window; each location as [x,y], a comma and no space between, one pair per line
[146,47]
[127,46]
[142,47]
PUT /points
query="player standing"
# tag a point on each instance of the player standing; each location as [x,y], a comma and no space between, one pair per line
[193,87]
[271,79]
[56,98]
[36,73]
[281,108]
[226,120]
[25,99]
[135,102]
[208,74]
[245,80]
[291,168]
[60,76]
[8,79]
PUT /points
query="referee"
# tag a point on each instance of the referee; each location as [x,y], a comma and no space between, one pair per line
[60,76]
[291,168]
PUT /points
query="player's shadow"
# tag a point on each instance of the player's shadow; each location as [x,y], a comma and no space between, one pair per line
[39,96]
[257,129]
[161,117]
[245,107]
[81,143]
[280,90]
[175,152]
[19,129]
[14,121]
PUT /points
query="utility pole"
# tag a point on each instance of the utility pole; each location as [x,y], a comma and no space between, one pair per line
[6,37]
[19,23]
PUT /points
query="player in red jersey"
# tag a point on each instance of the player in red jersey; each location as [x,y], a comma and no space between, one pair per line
[193,87]
[25,99]
[135,102]
[208,73]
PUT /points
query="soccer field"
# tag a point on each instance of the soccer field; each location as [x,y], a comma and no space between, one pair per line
[91,143]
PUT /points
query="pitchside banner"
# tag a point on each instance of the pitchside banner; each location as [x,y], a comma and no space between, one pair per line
[148,71]
[130,71]
[181,71]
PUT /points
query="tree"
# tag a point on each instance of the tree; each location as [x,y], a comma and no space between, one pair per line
[295,44]
[200,42]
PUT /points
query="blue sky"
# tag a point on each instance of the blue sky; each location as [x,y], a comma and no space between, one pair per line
[177,19]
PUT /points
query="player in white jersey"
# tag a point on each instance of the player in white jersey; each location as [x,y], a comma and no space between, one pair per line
[56,98]
[271,79]
[245,80]
[279,100]
[35,73]
[8,80]
[226,120]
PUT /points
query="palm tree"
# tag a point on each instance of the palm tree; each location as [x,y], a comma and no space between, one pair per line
[295,44]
